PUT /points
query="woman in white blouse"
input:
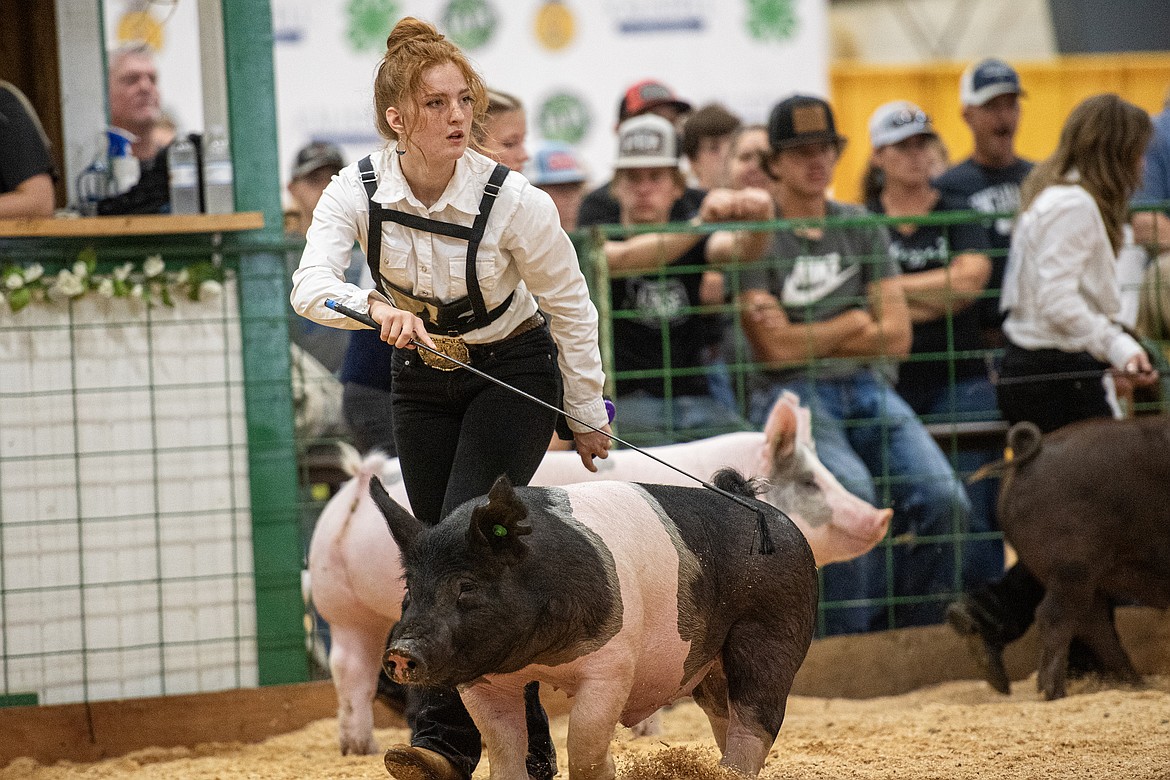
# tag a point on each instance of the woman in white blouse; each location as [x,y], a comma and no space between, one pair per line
[1060,289]
[459,247]
[1061,294]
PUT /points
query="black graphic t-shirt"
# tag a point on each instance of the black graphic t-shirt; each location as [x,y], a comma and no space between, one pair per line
[970,186]
[926,248]
[661,332]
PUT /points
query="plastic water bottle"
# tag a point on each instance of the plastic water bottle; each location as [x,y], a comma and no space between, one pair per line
[93,185]
[125,169]
[217,173]
[183,170]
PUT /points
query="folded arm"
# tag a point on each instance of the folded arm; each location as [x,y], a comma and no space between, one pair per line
[888,332]
[776,339]
[933,294]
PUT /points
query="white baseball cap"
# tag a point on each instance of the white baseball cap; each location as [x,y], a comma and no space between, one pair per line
[897,121]
[647,141]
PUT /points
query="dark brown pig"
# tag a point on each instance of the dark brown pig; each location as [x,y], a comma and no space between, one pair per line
[1087,508]
[625,596]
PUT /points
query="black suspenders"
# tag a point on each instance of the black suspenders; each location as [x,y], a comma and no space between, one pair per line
[472,235]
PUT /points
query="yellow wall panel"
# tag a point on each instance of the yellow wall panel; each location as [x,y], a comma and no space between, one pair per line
[1052,87]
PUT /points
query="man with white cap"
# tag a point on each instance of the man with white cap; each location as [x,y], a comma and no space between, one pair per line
[944,270]
[665,334]
[989,180]
[645,97]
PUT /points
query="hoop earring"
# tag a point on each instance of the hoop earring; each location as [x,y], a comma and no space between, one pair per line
[397,150]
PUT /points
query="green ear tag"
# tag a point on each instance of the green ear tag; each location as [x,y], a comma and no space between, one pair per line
[499,530]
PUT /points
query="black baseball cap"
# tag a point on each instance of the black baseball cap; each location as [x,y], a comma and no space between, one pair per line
[800,120]
[317,154]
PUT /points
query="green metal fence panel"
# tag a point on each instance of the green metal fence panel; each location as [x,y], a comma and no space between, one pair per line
[264,301]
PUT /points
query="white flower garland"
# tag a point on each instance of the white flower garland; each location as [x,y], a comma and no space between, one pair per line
[152,283]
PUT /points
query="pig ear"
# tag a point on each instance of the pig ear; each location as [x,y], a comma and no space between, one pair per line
[403,526]
[498,524]
[780,431]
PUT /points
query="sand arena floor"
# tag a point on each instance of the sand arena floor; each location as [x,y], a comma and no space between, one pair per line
[954,730]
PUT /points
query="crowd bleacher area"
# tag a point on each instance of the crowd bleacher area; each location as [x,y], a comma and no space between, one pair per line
[1145,284]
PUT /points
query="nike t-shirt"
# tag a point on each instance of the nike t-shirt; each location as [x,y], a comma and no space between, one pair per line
[817,279]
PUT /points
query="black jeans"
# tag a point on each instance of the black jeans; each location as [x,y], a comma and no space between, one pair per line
[1035,391]
[456,434]
[1031,387]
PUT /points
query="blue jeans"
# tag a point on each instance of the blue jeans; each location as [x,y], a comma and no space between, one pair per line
[642,418]
[973,400]
[872,441]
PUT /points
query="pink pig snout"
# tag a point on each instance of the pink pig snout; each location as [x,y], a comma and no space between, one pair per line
[401,665]
[859,526]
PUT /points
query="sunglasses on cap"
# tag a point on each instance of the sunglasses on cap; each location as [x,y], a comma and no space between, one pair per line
[908,117]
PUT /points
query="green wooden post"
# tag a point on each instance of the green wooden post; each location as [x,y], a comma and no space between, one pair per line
[251,95]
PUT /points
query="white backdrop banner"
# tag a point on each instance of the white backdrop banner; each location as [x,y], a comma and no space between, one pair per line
[568,60]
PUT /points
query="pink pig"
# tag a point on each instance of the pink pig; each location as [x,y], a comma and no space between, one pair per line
[354,564]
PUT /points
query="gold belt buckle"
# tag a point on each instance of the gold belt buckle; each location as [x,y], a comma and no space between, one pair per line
[452,346]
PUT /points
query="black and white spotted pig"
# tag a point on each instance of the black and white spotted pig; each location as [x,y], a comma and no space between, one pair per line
[626,596]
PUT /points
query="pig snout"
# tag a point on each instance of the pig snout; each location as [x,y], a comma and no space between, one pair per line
[402,663]
[859,526]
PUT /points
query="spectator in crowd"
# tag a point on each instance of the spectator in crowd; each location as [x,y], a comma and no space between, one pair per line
[747,159]
[134,98]
[944,269]
[1152,228]
[314,167]
[706,143]
[556,168]
[645,97]
[1061,297]
[829,320]
[1152,231]
[26,169]
[505,130]
[873,178]
[989,180]
[662,333]
[359,358]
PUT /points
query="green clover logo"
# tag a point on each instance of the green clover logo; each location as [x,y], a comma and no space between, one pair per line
[370,21]
[771,19]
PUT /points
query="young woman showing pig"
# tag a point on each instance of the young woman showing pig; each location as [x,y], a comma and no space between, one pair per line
[1060,295]
[459,247]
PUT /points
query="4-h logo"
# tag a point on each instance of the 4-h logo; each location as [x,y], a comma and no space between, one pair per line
[771,19]
[564,117]
[470,23]
[370,21]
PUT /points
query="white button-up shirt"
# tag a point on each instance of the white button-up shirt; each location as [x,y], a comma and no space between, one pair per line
[1060,289]
[523,250]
